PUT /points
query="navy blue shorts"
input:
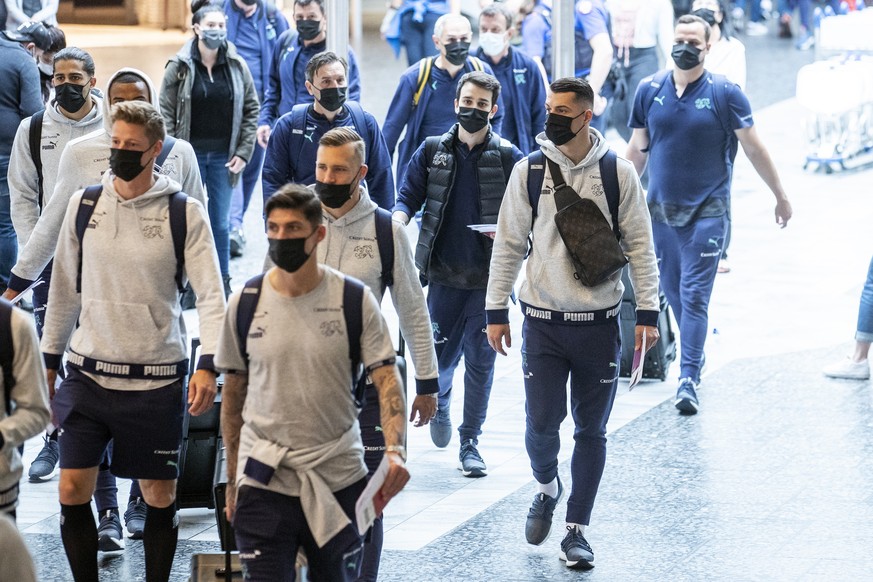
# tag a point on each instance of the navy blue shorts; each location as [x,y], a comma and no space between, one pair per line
[146,426]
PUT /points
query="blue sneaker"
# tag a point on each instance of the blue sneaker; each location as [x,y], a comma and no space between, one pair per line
[45,465]
[441,428]
[686,397]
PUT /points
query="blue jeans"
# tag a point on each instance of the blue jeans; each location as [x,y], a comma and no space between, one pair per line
[418,36]
[589,355]
[754,13]
[242,192]
[8,240]
[865,311]
[688,259]
[215,177]
[458,321]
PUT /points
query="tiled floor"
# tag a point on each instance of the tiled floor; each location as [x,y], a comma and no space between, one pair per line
[772,481]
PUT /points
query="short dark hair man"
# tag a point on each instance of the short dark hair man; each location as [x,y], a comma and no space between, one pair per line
[523,91]
[114,301]
[293,144]
[295,461]
[459,178]
[686,127]
[286,84]
[422,102]
[569,330]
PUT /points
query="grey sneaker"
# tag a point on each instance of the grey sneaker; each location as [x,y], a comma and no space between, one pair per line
[686,397]
[441,428]
[576,551]
[134,518]
[539,518]
[237,243]
[43,467]
[471,463]
[109,536]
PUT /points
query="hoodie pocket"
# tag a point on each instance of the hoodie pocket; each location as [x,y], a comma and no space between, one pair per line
[122,332]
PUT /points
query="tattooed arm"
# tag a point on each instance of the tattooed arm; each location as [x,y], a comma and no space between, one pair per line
[392,404]
[233,396]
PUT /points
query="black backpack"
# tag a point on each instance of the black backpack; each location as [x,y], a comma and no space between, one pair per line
[353,297]
[178,228]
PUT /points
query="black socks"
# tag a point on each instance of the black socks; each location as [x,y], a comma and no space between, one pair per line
[159,541]
[79,534]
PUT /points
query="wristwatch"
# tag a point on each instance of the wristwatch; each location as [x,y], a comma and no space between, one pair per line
[399,449]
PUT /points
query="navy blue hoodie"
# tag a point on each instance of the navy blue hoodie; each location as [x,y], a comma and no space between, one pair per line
[20,96]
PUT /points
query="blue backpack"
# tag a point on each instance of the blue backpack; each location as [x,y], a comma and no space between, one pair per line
[298,124]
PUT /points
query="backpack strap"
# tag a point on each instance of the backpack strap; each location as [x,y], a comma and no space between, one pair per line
[385,242]
[298,128]
[536,172]
[179,232]
[245,311]
[651,90]
[722,111]
[7,353]
[169,142]
[477,64]
[353,301]
[609,178]
[35,142]
[424,67]
[359,119]
[83,217]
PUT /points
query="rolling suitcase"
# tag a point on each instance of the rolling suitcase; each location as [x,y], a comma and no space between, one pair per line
[659,358]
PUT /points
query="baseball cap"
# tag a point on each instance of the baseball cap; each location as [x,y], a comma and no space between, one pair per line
[34,32]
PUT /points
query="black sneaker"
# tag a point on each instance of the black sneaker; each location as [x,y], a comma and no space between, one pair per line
[539,518]
[686,397]
[109,536]
[471,464]
[46,462]
[576,551]
[134,518]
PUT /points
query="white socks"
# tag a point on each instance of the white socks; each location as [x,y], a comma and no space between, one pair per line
[550,488]
[579,527]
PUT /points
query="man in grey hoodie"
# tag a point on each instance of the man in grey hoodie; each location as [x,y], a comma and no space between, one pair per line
[114,301]
[569,329]
[351,246]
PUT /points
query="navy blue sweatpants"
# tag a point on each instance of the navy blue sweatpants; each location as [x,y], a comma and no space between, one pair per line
[688,259]
[458,320]
[589,355]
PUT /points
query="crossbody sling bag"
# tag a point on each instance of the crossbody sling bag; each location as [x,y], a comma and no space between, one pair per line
[591,241]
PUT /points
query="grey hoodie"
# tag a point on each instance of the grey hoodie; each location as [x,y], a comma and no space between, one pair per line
[82,163]
[57,131]
[350,246]
[128,310]
[549,282]
[30,396]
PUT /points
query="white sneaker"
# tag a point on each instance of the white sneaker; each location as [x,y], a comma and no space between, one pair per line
[849,369]
[756,29]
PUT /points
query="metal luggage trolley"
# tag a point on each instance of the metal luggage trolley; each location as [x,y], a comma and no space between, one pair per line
[838,92]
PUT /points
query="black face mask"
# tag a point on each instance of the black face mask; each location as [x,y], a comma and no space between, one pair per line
[456,52]
[706,14]
[125,164]
[333,98]
[70,96]
[249,2]
[472,119]
[308,29]
[289,254]
[685,56]
[334,195]
[558,128]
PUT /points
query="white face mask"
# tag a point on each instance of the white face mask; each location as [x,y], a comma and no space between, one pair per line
[45,68]
[492,43]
